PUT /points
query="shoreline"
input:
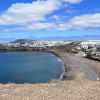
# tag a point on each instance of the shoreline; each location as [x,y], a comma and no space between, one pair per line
[65,68]
[71,71]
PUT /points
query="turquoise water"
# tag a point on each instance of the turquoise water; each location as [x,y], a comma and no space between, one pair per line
[29,67]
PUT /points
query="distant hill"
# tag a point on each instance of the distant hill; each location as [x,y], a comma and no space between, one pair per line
[70,38]
[23,41]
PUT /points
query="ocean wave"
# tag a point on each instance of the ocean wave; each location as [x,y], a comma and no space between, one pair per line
[63,69]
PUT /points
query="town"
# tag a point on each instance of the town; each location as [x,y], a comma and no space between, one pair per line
[84,48]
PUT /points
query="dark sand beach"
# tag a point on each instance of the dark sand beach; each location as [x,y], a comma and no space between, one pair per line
[79,68]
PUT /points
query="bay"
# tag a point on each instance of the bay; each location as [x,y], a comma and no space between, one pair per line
[29,67]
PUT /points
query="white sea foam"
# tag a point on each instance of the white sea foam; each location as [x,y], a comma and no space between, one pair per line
[59,60]
[97,78]
[63,72]
[63,69]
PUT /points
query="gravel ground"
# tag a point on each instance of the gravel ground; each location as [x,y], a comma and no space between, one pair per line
[63,90]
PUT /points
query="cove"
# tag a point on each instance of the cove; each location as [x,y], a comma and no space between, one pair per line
[29,67]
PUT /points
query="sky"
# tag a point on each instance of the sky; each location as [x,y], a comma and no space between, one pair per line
[49,19]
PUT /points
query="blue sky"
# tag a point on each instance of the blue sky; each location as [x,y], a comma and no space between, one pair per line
[41,19]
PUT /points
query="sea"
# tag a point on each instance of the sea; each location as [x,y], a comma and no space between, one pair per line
[29,67]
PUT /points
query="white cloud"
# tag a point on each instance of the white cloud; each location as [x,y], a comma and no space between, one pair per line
[56,17]
[81,22]
[21,13]
[73,1]
[39,26]
[32,16]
